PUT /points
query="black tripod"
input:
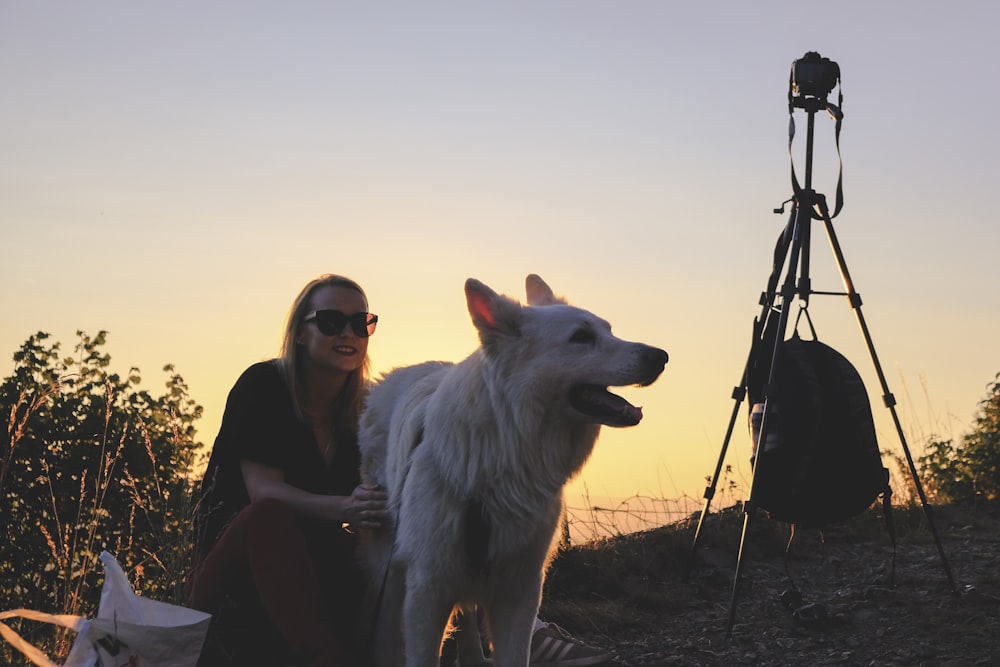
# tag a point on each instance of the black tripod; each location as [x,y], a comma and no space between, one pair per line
[794,245]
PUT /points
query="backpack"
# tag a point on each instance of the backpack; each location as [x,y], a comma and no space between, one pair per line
[820,461]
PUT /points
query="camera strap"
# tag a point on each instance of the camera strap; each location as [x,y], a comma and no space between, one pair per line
[838,116]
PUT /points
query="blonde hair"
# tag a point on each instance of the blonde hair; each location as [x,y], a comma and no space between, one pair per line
[352,398]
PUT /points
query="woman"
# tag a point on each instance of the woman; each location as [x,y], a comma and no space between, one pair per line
[282,494]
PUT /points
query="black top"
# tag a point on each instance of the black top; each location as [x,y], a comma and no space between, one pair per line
[260,425]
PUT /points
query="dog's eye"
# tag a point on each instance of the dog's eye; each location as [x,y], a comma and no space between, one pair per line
[583,335]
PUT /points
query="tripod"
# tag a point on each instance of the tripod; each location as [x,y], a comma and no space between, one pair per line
[794,245]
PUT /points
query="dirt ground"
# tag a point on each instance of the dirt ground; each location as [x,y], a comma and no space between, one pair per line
[630,594]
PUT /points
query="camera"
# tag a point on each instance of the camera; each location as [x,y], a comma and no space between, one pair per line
[813,76]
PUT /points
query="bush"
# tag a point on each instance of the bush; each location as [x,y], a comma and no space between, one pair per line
[90,462]
[970,471]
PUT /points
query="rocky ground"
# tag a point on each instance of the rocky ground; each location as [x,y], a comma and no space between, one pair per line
[630,595]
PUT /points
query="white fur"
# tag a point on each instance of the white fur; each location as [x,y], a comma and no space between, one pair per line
[498,429]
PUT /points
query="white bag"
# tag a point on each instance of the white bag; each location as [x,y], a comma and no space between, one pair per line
[129,631]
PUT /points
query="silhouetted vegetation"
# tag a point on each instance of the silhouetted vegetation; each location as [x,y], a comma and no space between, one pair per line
[89,461]
[970,470]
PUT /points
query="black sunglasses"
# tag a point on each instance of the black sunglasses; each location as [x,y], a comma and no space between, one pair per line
[331,322]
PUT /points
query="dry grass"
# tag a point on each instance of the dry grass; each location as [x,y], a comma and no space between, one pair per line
[629,594]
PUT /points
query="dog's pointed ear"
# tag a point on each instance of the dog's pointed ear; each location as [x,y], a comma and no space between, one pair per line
[539,293]
[492,314]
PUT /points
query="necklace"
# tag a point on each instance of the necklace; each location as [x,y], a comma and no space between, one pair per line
[326,441]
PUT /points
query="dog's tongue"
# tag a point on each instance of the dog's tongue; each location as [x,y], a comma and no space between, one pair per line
[605,407]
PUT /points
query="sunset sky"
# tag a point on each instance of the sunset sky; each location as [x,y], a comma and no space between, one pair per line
[174,172]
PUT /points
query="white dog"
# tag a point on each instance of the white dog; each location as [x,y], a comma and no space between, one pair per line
[475,455]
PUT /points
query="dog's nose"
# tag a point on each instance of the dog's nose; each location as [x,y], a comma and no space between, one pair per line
[654,360]
[657,357]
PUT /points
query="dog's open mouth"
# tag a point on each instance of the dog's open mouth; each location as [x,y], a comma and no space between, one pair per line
[607,408]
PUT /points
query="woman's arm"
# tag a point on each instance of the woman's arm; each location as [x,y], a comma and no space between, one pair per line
[364,508]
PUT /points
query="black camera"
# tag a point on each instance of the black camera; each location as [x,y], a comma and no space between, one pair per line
[813,76]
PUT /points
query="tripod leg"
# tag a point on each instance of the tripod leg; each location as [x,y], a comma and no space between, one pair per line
[890,402]
[767,302]
[738,395]
[800,218]
[760,337]
[748,512]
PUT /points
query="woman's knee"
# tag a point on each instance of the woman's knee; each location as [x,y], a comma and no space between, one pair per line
[269,519]
[268,512]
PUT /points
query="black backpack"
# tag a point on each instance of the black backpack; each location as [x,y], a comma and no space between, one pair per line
[820,463]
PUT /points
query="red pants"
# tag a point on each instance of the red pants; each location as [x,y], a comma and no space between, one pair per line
[266,549]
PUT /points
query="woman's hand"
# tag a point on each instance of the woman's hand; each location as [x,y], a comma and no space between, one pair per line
[367,507]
